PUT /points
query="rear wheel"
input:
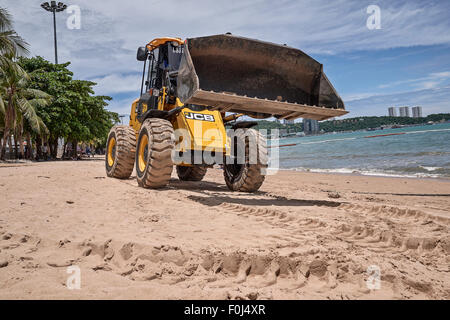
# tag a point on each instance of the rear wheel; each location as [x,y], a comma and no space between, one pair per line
[193,173]
[247,175]
[120,152]
[154,153]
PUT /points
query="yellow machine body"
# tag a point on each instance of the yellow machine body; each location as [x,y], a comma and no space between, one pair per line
[191,89]
[195,130]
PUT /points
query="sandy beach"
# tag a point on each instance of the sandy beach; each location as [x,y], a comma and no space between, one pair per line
[302,236]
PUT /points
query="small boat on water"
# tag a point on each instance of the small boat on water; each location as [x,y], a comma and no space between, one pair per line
[385,135]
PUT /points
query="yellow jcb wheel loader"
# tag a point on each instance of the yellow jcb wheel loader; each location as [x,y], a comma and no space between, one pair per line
[192,89]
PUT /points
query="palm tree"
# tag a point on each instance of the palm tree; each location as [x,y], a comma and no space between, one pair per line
[10,42]
[18,102]
[2,117]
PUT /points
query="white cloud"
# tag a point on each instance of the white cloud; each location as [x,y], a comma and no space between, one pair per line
[357,96]
[111,31]
[435,100]
[428,82]
[121,106]
[104,48]
[117,83]
[445,74]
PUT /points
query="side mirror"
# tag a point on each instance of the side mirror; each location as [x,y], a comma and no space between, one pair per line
[142,53]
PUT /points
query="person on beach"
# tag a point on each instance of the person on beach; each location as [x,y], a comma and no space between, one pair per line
[45,151]
[88,151]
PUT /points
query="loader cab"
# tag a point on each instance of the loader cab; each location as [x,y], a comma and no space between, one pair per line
[163,62]
[166,62]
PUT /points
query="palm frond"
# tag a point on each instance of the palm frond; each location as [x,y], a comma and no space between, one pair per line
[2,113]
[36,94]
[10,68]
[43,130]
[29,113]
[11,42]
[5,19]
[39,102]
[21,47]
[2,106]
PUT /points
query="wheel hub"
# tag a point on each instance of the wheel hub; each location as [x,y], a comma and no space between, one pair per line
[111,151]
[143,153]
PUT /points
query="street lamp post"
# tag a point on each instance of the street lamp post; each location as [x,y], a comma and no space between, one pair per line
[53,7]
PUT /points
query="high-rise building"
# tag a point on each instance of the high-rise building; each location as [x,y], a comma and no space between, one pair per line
[283,132]
[417,112]
[392,112]
[288,121]
[404,111]
[310,126]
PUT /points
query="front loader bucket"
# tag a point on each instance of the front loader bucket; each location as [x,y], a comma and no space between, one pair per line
[260,79]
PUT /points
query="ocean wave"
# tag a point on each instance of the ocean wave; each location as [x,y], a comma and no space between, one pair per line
[422,169]
[383,155]
[430,153]
[377,172]
[365,157]
[329,140]
[431,168]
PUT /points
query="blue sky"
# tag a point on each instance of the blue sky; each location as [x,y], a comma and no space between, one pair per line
[406,62]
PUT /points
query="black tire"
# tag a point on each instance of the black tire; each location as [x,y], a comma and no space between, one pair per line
[119,159]
[154,162]
[193,173]
[250,175]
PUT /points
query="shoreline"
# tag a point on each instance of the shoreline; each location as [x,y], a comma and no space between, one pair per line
[356,173]
[18,163]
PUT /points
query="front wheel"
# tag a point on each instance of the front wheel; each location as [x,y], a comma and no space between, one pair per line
[154,153]
[120,151]
[247,168]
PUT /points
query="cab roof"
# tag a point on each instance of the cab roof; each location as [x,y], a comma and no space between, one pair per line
[155,43]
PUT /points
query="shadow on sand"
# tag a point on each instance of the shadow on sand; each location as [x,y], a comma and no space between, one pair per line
[214,194]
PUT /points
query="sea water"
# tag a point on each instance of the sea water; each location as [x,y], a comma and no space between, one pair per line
[422,151]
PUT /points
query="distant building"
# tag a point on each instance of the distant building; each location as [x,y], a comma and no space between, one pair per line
[392,112]
[288,121]
[417,112]
[404,111]
[310,126]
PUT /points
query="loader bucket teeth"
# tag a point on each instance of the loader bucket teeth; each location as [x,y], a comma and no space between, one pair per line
[237,74]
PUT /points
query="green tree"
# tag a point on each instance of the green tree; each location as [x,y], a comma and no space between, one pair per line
[18,102]
[75,114]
